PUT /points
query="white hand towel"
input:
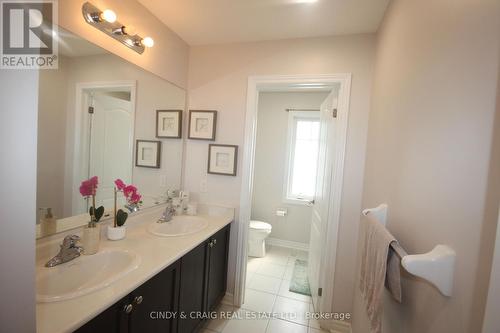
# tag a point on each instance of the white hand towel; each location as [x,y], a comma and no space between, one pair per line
[374,261]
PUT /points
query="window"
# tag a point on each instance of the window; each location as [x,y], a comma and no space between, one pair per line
[302,156]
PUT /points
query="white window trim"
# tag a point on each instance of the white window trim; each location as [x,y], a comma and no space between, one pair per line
[289,156]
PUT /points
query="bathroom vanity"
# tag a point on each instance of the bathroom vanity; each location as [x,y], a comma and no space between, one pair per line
[96,112]
[174,281]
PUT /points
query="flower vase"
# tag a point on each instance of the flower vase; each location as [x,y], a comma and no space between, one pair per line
[132,207]
[91,238]
[116,233]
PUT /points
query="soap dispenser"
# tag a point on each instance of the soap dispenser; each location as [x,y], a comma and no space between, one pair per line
[48,223]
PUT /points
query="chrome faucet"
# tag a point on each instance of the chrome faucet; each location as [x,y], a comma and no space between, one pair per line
[69,251]
[168,213]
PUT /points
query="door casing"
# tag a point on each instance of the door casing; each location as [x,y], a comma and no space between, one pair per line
[257,84]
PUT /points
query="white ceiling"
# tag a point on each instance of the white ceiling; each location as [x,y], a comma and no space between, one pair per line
[201,22]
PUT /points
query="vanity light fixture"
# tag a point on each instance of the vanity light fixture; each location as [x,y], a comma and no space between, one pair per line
[148,42]
[108,15]
[107,23]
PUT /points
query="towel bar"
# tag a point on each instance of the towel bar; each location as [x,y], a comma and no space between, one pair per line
[399,250]
[436,266]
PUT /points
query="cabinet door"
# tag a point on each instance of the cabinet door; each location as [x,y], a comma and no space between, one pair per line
[217,268]
[155,301]
[192,294]
[113,320]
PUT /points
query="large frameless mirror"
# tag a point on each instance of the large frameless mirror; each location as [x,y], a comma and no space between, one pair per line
[97,117]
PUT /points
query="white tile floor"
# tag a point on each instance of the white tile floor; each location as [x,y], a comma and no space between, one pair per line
[268,282]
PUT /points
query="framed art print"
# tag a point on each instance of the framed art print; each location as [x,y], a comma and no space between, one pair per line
[147,153]
[169,124]
[222,159]
[202,125]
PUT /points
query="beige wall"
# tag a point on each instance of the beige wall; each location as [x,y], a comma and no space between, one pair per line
[169,56]
[218,80]
[429,149]
[19,100]
[270,164]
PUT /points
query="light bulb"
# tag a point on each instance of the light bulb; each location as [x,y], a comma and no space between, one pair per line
[108,15]
[148,42]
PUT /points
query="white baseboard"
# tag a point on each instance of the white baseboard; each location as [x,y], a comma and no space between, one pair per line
[338,326]
[228,299]
[288,244]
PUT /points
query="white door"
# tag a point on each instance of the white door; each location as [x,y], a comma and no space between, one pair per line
[111,145]
[320,205]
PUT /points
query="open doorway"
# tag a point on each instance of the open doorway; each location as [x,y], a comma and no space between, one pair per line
[293,166]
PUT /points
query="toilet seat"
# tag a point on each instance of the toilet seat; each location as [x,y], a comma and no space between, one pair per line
[259,225]
[258,232]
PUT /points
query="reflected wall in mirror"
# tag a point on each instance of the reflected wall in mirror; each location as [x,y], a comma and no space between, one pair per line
[92,109]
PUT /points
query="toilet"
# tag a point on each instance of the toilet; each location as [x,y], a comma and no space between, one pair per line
[259,231]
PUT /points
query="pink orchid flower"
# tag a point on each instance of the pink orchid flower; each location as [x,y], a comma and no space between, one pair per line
[129,190]
[135,198]
[120,185]
[88,187]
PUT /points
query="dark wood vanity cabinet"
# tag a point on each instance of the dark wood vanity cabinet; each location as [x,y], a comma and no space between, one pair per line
[114,319]
[188,289]
[218,246]
[144,309]
[154,301]
[193,280]
[203,280]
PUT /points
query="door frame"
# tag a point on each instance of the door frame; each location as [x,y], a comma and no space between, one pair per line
[81,87]
[490,320]
[256,84]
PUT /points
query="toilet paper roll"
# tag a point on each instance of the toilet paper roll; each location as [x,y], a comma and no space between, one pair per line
[281,212]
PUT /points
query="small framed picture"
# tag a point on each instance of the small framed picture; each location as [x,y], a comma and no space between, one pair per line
[147,153]
[169,124]
[222,159]
[202,125]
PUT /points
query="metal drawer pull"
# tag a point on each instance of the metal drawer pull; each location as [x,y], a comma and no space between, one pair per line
[215,241]
[138,299]
[211,243]
[128,308]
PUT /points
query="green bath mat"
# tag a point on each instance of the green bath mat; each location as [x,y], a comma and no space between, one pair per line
[300,283]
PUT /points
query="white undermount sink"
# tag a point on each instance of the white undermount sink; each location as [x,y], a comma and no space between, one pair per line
[83,275]
[178,226]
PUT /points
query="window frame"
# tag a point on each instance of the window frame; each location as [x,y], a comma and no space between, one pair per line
[293,117]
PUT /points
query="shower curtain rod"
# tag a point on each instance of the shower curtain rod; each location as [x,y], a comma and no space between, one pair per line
[290,110]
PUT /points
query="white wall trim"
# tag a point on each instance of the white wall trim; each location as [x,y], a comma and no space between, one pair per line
[287,244]
[491,321]
[339,326]
[228,299]
[255,85]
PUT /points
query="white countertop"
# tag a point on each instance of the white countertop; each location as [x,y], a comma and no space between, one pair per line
[156,253]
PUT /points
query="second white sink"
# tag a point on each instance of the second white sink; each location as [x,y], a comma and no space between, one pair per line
[179,226]
[83,275]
